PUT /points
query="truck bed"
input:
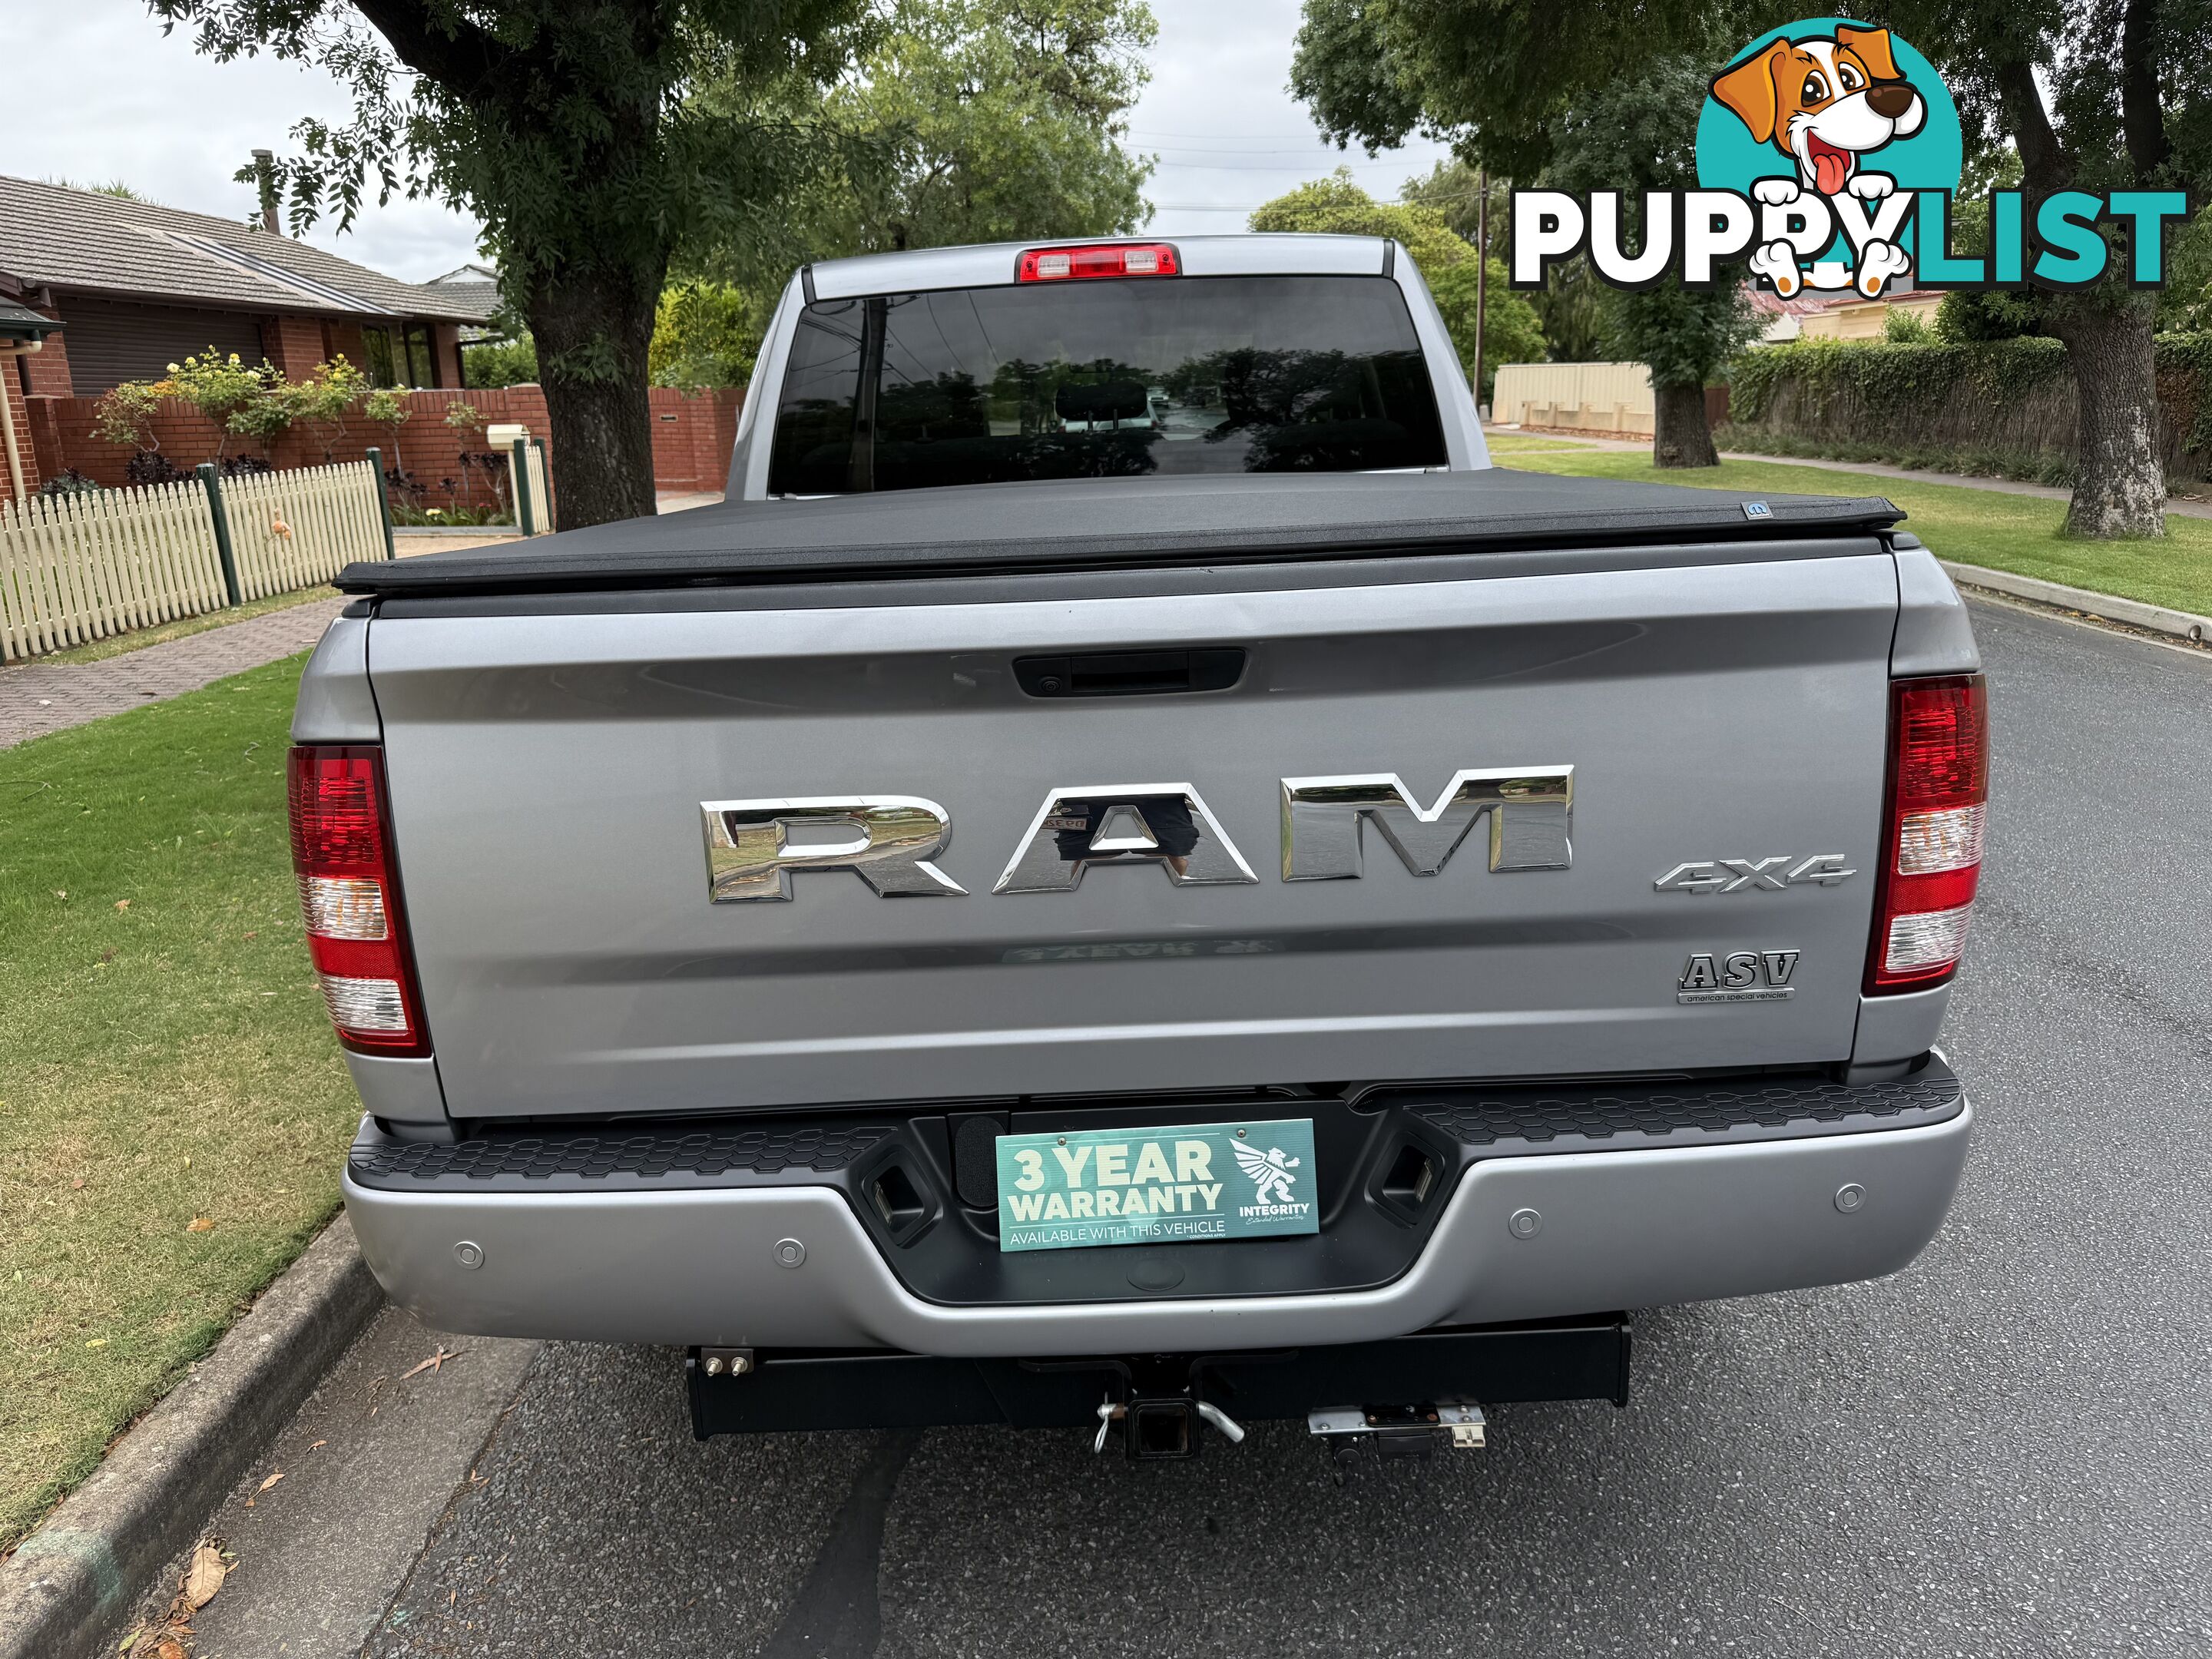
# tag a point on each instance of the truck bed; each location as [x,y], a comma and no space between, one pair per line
[1094,525]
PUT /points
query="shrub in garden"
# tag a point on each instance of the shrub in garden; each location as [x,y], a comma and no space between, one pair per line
[322,400]
[68,482]
[238,396]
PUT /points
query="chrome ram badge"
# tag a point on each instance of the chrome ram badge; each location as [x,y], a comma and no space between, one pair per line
[1164,824]
[887,842]
[754,847]
[1530,809]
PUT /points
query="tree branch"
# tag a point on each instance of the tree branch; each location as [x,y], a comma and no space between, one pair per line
[2044,163]
[2141,119]
[467,62]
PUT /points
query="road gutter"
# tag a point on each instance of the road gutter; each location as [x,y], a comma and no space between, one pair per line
[100,1552]
[2155,618]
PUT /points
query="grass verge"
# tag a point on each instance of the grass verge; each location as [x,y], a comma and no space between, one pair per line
[2017,533]
[1509,443]
[116,644]
[164,1066]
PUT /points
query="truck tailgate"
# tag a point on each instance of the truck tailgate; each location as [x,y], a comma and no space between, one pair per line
[547,770]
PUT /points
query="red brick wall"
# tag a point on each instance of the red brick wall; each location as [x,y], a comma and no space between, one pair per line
[691,452]
[49,367]
[46,444]
[18,417]
[294,344]
[692,436]
[345,340]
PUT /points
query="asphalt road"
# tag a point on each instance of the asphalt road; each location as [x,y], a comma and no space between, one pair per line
[2006,1449]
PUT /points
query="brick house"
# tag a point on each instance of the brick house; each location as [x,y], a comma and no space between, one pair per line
[95,290]
[136,287]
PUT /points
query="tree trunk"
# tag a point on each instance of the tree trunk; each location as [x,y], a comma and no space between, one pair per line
[2119,486]
[1680,435]
[592,328]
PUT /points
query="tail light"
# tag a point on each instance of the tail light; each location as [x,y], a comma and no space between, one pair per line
[348,887]
[1060,264]
[1939,791]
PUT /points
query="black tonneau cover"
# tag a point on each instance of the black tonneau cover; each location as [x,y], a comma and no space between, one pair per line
[1101,523]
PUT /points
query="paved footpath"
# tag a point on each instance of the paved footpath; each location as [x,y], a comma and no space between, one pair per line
[39,697]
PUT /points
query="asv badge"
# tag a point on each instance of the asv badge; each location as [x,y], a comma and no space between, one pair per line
[1738,976]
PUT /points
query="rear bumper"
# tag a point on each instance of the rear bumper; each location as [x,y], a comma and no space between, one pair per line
[1616,1229]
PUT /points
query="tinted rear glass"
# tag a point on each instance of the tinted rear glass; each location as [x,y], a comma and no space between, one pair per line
[1103,379]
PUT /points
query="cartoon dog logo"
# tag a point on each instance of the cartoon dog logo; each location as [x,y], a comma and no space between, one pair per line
[1825,101]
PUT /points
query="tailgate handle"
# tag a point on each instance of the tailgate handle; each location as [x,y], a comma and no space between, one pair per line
[1131,673]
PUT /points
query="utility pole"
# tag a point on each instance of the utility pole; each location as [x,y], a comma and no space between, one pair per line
[1481,273]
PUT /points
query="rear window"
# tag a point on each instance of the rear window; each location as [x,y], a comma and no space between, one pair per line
[1103,379]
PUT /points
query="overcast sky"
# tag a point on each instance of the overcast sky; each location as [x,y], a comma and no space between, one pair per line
[123,101]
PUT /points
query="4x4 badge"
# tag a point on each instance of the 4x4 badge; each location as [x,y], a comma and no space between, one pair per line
[1751,875]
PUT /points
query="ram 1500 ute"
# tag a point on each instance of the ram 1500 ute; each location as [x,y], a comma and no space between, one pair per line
[1126,878]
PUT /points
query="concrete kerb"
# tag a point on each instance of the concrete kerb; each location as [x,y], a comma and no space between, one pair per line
[2157,619]
[98,1555]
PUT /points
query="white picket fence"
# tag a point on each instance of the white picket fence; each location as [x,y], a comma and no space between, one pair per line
[76,569]
[299,527]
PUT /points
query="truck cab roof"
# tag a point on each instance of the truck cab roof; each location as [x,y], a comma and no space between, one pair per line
[989,265]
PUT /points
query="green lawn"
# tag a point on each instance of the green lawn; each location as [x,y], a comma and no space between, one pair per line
[163,1059]
[2018,533]
[1509,443]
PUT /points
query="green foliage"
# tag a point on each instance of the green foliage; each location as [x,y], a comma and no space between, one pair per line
[387,408]
[322,400]
[1510,331]
[1902,327]
[979,121]
[230,391]
[465,417]
[1335,205]
[1965,317]
[114,187]
[568,130]
[1502,79]
[125,415]
[512,362]
[1631,133]
[706,334]
[1568,307]
[1975,461]
[1882,375]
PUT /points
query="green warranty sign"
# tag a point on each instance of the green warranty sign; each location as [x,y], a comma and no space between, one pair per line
[1181,1185]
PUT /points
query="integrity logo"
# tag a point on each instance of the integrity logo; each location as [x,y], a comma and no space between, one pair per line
[1828,157]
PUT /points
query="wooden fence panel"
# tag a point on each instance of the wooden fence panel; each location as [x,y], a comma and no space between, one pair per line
[299,528]
[74,568]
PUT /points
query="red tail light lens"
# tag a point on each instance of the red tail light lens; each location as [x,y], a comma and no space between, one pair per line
[1061,265]
[1939,791]
[349,888]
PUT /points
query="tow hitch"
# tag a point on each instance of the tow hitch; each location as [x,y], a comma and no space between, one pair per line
[1159,1427]
[1379,1431]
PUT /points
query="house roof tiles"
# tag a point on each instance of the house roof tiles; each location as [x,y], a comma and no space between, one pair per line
[53,236]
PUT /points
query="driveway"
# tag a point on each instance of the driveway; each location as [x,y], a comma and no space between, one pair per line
[2006,1449]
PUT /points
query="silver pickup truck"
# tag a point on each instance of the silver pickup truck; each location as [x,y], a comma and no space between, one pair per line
[1127,878]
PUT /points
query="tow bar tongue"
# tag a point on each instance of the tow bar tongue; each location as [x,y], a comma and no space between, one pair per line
[1163,1427]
